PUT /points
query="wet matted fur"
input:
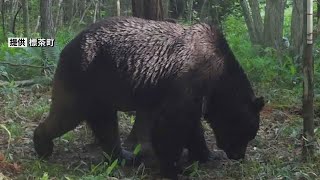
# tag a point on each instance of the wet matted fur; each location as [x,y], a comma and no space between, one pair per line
[162,70]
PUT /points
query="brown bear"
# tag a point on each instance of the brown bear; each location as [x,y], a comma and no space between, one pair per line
[161,70]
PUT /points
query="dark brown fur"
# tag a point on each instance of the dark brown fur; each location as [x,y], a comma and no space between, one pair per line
[161,70]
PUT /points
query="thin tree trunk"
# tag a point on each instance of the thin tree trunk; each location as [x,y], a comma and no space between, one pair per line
[3,18]
[318,20]
[37,25]
[297,22]
[165,8]
[95,11]
[25,12]
[190,10]
[176,8]
[58,18]
[84,13]
[249,22]
[13,28]
[318,10]
[118,8]
[82,6]
[308,93]
[14,12]
[257,20]
[68,11]
[204,10]
[214,12]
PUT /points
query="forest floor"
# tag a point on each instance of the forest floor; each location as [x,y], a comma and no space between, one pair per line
[274,154]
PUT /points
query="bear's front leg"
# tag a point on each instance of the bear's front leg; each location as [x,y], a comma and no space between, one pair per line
[168,139]
[65,114]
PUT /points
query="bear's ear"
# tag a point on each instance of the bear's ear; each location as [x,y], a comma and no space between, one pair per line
[258,103]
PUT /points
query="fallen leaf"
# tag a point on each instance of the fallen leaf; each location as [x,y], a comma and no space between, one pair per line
[1,157]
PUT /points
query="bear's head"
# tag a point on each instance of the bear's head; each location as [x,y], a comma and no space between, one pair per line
[235,124]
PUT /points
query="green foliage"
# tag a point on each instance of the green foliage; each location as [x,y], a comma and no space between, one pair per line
[264,66]
[45,176]
[137,150]
[193,170]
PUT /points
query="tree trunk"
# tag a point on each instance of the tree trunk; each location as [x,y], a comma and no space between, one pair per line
[249,21]
[190,10]
[3,18]
[118,8]
[318,10]
[308,93]
[95,11]
[82,6]
[46,27]
[318,21]
[68,11]
[148,9]
[204,10]
[25,12]
[46,22]
[297,22]
[14,18]
[273,23]
[176,8]
[37,25]
[257,20]
[214,9]
[138,8]
[165,8]
[58,23]
[13,14]
[153,9]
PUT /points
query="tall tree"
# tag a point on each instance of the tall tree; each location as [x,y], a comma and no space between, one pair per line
[249,21]
[190,10]
[118,8]
[138,8]
[257,20]
[318,19]
[165,4]
[3,23]
[46,27]
[153,9]
[148,9]
[25,11]
[46,21]
[68,10]
[176,8]
[59,17]
[308,86]
[16,7]
[297,22]
[273,23]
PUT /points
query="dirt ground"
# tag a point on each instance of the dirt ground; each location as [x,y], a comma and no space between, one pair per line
[75,155]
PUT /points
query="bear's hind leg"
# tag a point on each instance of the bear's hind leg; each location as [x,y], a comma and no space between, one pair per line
[102,119]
